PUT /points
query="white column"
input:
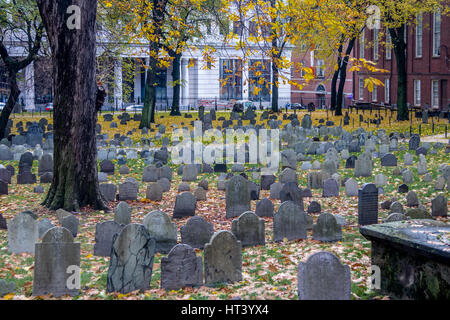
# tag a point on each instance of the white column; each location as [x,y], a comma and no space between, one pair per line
[245,81]
[185,81]
[29,86]
[118,84]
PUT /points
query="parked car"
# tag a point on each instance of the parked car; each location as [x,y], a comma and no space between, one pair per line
[2,105]
[49,106]
[135,108]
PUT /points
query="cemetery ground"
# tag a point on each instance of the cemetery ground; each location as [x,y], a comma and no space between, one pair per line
[268,271]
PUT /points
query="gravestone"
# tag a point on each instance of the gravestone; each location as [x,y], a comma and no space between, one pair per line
[414,142]
[266,181]
[23,233]
[185,205]
[43,226]
[104,234]
[54,261]
[323,277]
[314,207]
[107,167]
[3,187]
[3,223]
[288,175]
[6,288]
[196,232]
[154,192]
[327,229]
[190,172]
[249,229]
[439,206]
[181,268]
[223,259]
[264,208]
[108,191]
[351,187]
[122,213]
[330,188]
[131,263]
[291,192]
[363,166]
[45,164]
[161,229]
[275,189]
[237,195]
[411,199]
[389,160]
[289,222]
[368,204]
[128,190]
[200,194]
[70,223]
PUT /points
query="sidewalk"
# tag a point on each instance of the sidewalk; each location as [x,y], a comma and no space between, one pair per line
[436,138]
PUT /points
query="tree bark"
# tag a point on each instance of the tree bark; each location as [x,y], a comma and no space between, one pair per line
[148,112]
[12,100]
[274,87]
[343,72]
[75,180]
[398,41]
[335,78]
[175,110]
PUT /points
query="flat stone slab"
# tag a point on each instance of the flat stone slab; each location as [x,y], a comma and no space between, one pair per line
[413,257]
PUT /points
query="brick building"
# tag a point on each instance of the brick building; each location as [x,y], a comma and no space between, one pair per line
[317,90]
[427,64]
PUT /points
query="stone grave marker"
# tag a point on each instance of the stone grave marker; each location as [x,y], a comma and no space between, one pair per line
[237,196]
[289,222]
[249,229]
[23,233]
[196,232]
[368,204]
[104,233]
[327,229]
[162,229]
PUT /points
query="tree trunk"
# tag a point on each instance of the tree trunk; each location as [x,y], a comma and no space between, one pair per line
[274,87]
[75,180]
[175,110]
[335,78]
[148,112]
[343,72]
[12,100]
[397,35]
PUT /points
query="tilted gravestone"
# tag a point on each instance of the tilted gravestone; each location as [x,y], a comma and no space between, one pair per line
[181,268]
[55,260]
[3,187]
[368,204]
[237,196]
[131,263]
[122,213]
[249,229]
[223,258]
[43,226]
[291,192]
[323,277]
[327,228]
[185,205]
[162,229]
[289,222]
[71,223]
[104,233]
[23,233]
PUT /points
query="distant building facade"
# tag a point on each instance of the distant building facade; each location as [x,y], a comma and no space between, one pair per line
[427,64]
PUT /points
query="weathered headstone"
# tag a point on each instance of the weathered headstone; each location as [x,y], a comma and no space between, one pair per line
[70,223]
[291,192]
[196,232]
[122,213]
[223,258]
[289,222]
[185,205]
[23,233]
[131,261]
[327,228]
[181,268]
[104,233]
[439,206]
[264,208]
[237,196]
[323,277]
[249,229]
[161,229]
[330,188]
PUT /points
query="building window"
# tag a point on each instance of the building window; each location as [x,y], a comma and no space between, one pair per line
[361,89]
[388,45]
[375,44]
[435,93]
[230,79]
[259,80]
[320,69]
[387,90]
[361,45]
[375,93]
[436,33]
[417,98]
[419,31]
[238,28]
